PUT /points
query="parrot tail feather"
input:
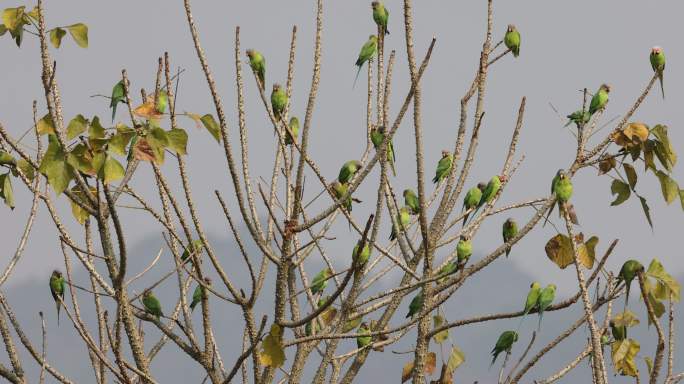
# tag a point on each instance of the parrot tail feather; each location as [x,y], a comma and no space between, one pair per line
[358,71]
[662,89]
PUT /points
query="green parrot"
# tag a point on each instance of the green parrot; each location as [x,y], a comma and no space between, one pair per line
[380,16]
[504,344]
[57,288]
[368,50]
[320,281]
[308,328]
[258,64]
[363,341]
[411,201]
[472,199]
[278,100]
[117,97]
[464,249]
[512,40]
[600,99]
[490,191]
[627,273]
[657,59]
[579,118]
[509,230]
[561,187]
[403,219]
[348,171]
[152,304]
[619,331]
[443,167]
[531,300]
[340,190]
[199,292]
[546,297]
[377,137]
[195,247]
[364,255]
[447,270]
[294,128]
[414,306]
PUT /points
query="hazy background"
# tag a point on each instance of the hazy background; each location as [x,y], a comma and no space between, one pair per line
[565,46]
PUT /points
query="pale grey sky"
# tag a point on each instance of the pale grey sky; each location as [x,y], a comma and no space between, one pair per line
[565,46]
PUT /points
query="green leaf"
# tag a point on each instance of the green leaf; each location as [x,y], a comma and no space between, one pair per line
[631,175]
[456,358]
[649,149]
[437,322]
[158,142]
[666,150]
[622,191]
[45,125]
[647,210]
[6,158]
[118,142]
[178,140]
[81,159]
[13,18]
[626,318]
[76,126]
[211,126]
[681,197]
[3,29]
[80,34]
[26,168]
[665,283]
[6,190]
[112,170]
[54,166]
[80,214]
[56,36]
[668,186]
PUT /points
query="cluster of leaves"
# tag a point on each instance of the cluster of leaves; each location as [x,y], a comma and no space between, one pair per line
[660,286]
[14,20]
[639,143]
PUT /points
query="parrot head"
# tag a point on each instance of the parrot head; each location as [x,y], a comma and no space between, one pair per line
[363,325]
[509,222]
[502,178]
[207,280]
[605,87]
[535,285]
[481,186]
[276,87]
[250,53]
[406,192]
[465,237]
[510,28]
[375,4]
[656,50]
[56,274]
[552,287]
[147,293]
[381,129]
[561,174]
[373,38]
[445,153]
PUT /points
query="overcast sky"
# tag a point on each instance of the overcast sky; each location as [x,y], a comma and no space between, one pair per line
[565,46]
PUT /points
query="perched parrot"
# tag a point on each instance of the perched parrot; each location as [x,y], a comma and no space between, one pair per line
[199,292]
[504,344]
[320,281]
[447,270]
[619,331]
[600,99]
[509,230]
[414,306]
[195,247]
[278,100]
[403,219]
[294,127]
[258,64]
[657,59]
[348,170]
[443,167]
[377,137]
[368,50]
[380,15]
[364,255]
[340,190]
[464,249]
[546,297]
[152,304]
[627,273]
[512,40]
[579,118]
[308,328]
[561,187]
[411,201]
[117,97]
[490,191]
[57,288]
[363,341]
[472,199]
[531,300]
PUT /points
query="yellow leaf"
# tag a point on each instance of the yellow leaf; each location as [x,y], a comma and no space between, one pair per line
[80,214]
[626,318]
[329,315]
[623,353]
[440,337]
[406,371]
[587,253]
[56,36]
[147,110]
[456,358]
[632,134]
[430,364]
[559,250]
[352,324]
[272,353]
[12,17]
[45,125]
[80,34]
